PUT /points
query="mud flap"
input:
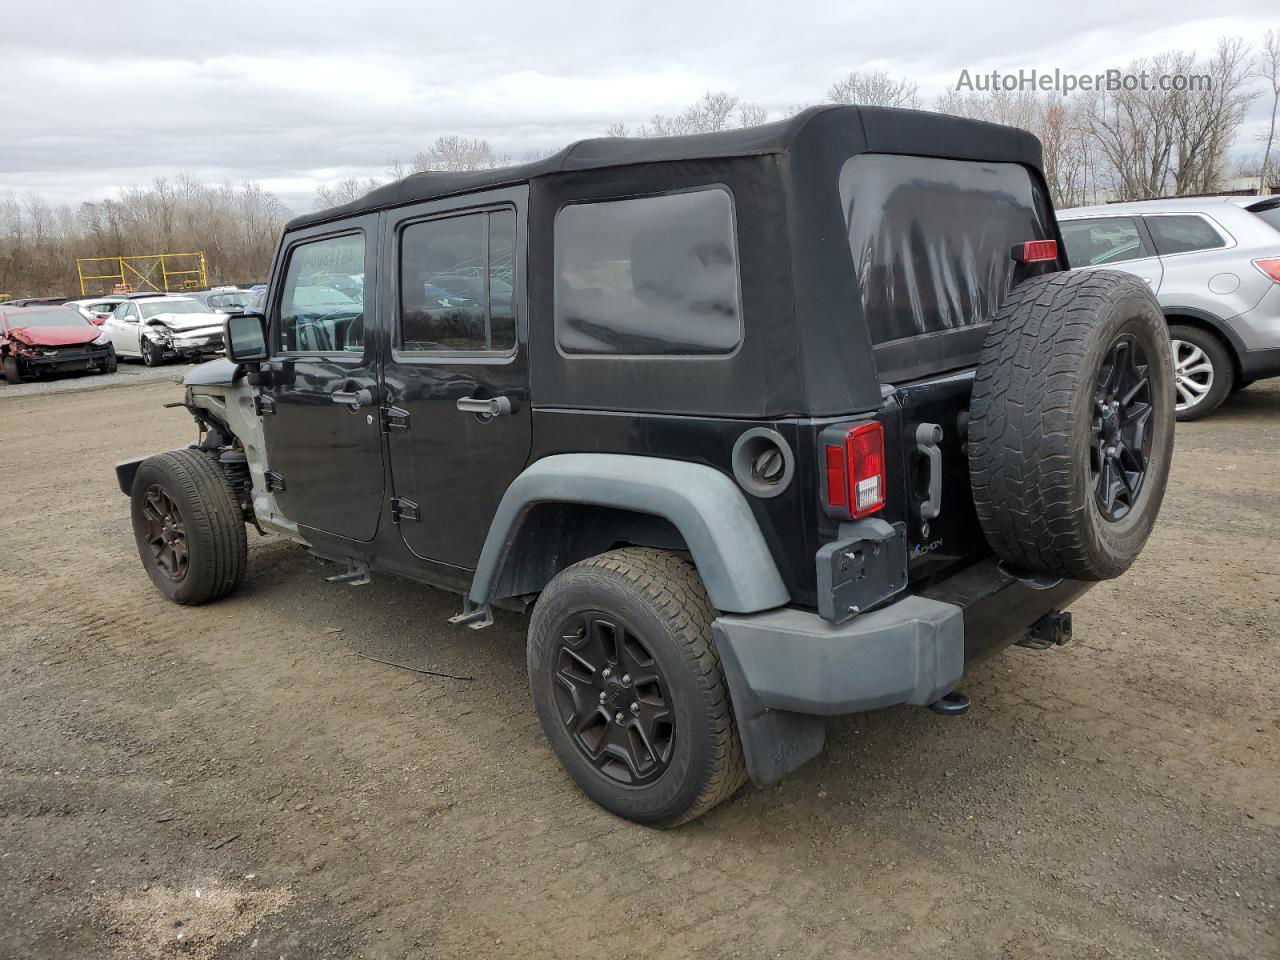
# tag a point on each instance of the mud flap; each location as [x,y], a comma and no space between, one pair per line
[126,470]
[774,742]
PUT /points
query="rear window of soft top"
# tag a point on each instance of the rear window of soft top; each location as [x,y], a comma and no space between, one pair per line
[931,239]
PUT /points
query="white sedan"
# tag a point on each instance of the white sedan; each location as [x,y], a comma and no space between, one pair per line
[157,329]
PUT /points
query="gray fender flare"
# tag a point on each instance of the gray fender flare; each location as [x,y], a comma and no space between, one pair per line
[705,505]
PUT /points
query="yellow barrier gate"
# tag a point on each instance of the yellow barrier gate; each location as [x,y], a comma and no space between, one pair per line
[156,273]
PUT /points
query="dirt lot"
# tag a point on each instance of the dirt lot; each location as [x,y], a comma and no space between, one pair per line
[128,373]
[232,781]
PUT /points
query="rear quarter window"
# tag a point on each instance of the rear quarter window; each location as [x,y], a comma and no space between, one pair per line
[1183,234]
[648,276]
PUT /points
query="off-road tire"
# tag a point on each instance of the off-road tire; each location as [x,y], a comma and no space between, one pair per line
[12,374]
[217,546]
[1224,381]
[1032,418]
[662,598]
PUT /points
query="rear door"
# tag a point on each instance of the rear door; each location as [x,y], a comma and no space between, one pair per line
[1114,243]
[320,408]
[457,378]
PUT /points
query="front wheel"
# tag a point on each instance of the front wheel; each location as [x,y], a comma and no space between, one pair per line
[152,353]
[12,373]
[188,527]
[629,689]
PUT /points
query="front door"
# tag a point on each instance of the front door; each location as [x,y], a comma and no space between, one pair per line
[320,407]
[456,380]
[123,329]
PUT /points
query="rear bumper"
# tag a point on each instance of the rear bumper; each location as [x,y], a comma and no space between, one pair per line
[911,651]
[788,668]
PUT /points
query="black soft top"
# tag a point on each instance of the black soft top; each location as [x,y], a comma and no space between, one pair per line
[806,348]
[883,130]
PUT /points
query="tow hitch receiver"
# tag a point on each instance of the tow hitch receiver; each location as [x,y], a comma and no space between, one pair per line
[1051,630]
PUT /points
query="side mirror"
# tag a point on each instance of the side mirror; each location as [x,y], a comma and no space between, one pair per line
[245,336]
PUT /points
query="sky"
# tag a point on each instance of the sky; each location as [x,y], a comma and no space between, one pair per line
[297,93]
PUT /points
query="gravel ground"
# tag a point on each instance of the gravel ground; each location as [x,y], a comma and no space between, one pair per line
[232,781]
[128,373]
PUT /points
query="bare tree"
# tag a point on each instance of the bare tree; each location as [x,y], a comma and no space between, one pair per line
[1136,130]
[235,227]
[616,130]
[1067,151]
[875,88]
[1014,108]
[344,191]
[752,115]
[455,153]
[1268,68]
[1205,119]
[712,111]
[1173,136]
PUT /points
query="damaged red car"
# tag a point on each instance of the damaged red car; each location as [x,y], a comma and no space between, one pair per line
[47,339]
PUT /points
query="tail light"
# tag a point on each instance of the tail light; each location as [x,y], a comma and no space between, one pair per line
[1270,267]
[1036,251]
[855,469]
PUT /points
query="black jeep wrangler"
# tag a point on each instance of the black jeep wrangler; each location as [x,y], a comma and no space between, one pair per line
[762,426]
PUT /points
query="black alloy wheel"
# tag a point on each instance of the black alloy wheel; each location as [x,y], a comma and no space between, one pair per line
[1121,441]
[613,699]
[165,533]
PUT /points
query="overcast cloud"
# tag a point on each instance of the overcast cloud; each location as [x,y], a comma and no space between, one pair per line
[294,93]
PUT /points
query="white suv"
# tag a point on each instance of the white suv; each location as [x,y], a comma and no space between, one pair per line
[1214,265]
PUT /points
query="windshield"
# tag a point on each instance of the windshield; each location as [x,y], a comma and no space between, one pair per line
[155,308]
[46,317]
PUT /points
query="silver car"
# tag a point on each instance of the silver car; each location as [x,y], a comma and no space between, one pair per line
[1214,265]
[157,329]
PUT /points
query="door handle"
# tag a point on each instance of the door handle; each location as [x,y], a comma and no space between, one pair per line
[352,398]
[493,407]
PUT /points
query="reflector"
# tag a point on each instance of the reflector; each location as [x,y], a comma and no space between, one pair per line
[1036,251]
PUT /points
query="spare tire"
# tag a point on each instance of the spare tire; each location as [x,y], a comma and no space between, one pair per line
[1071,424]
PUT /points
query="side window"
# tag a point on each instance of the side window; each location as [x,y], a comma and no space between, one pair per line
[457,283]
[315,315]
[1103,240]
[649,276]
[1183,234]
